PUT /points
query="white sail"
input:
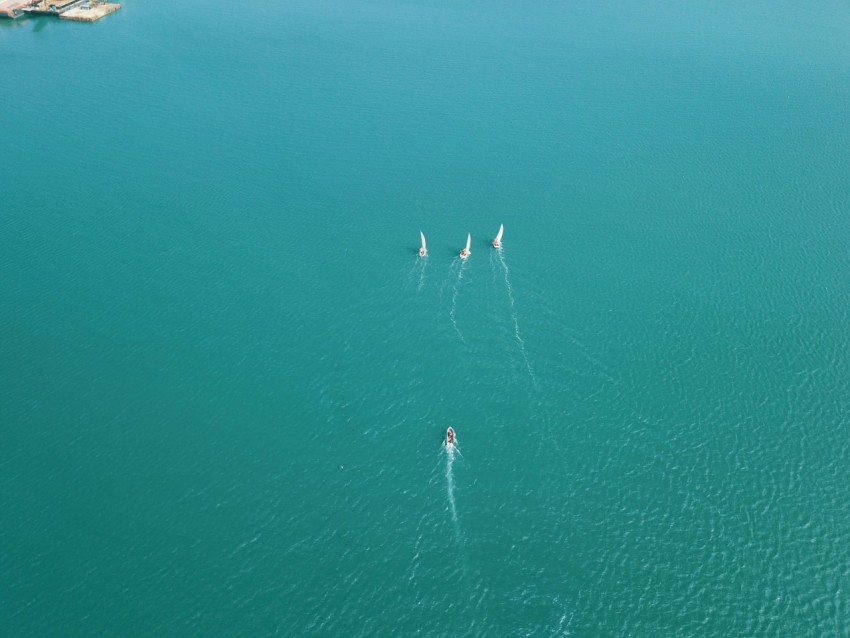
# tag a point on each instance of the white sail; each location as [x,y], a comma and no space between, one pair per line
[468,241]
[499,236]
[423,240]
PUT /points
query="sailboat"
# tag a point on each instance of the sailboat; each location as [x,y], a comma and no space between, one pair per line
[465,252]
[423,250]
[497,243]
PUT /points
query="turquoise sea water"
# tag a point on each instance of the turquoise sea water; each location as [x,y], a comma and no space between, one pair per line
[225,375]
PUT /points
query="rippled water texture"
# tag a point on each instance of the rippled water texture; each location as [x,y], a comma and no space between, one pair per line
[226,376]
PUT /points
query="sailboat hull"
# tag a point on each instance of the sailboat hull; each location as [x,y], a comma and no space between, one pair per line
[465,252]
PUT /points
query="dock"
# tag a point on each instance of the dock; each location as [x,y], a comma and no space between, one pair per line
[13,8]
[76,10]
[89,11]
[49,7]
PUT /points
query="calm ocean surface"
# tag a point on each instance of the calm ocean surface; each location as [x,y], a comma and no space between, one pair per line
[225,376]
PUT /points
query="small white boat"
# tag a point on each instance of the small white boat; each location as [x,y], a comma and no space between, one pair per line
[450,438]
[497,243]
[465,252]
[423,250]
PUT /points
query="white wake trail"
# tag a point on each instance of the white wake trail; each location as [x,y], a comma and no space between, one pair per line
[454,302]
[422,266]
[520,342]
[450,488]
[459,554]
[448,278]
[450,492]
[412,274]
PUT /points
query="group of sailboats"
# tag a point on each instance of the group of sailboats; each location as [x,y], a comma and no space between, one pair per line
[466,251]
[464,254]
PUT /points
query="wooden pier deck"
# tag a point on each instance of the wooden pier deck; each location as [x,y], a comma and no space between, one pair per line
[13,8]
[89,11]
[50,7]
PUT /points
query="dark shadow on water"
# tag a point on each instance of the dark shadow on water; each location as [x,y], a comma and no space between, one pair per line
[6,23]
[40,23]
[35,23]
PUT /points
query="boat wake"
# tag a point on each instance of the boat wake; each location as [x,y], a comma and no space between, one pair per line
[517,334]
[450,482]
[421,265]
[451,452]
[455,289]
[553,616]
[416,275]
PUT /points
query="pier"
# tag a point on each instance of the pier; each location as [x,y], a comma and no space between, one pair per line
[13,8]
[76,10]
[49,7]
[89,11]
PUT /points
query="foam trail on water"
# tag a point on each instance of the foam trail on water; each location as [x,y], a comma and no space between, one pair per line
[450,492]
[422,265]
[454,302]
[448,278]
[493,269]
[566,617]
[460,554]
[410,275]
[517,334]
[450,486]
